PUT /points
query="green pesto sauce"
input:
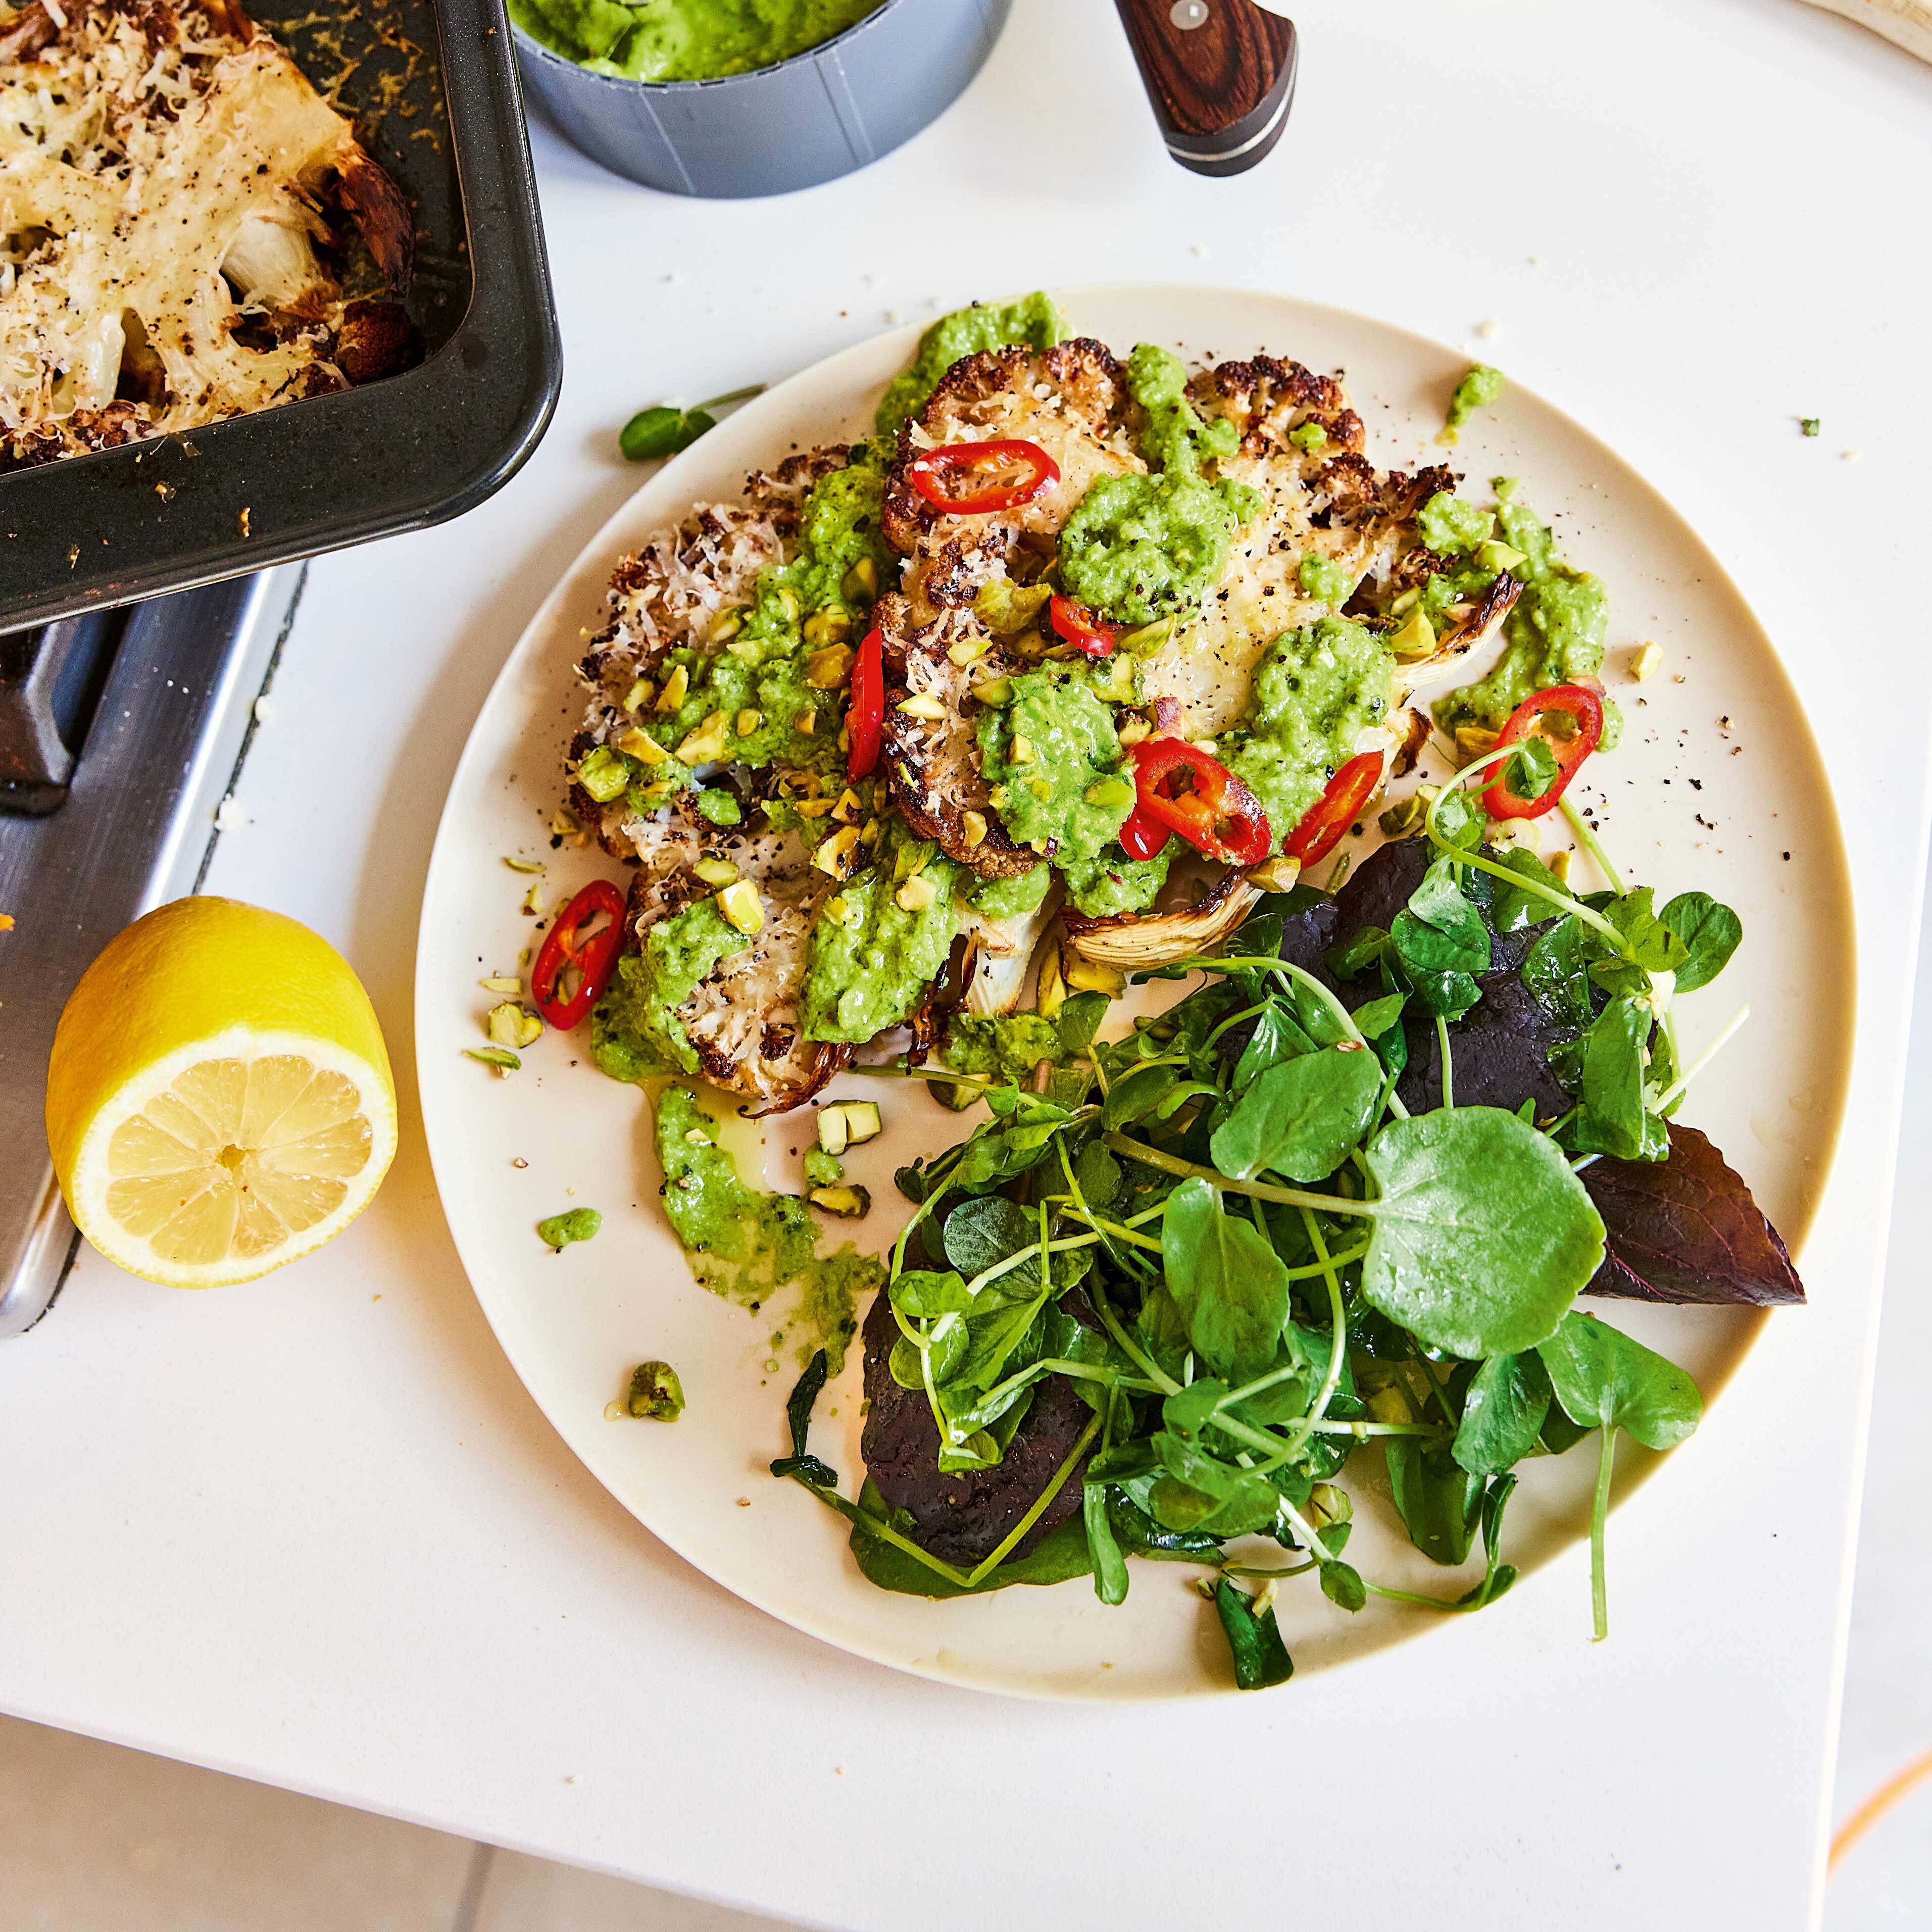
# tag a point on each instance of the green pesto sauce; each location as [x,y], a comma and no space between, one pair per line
[1008,1048]
[1068,799]
[822,1169]
[1451,526]
[574,1224]
[1033,322]
[872,961]
[1477,390]
[1556,634]
[746,1244]
[762,667]
[1138,546]
[1321,577]
[685,40]
[998,899]
[1112,883]
[1315,692]
[635,1029]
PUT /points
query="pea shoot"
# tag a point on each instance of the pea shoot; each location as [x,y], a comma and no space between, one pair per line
[665,429]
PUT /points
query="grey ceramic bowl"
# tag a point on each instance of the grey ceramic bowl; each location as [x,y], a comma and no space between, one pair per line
[827,111]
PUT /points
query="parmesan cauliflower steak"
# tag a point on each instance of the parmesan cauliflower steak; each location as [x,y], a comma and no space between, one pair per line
[171,188]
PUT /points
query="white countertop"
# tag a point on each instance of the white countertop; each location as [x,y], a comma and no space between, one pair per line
[314,1530]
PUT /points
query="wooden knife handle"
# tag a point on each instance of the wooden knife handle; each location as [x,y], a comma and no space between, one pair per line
[1220,74]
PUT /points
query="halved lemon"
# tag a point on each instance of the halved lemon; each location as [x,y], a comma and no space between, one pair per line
[219,1098]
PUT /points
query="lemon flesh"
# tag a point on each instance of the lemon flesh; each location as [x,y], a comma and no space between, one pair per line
[219,1099]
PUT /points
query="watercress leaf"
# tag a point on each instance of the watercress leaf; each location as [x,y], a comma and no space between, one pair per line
[981,1234]
[1097,1173]
[1260,1658]
[804,1397]
[1080,1020]
[1136,1095]
[1140,1535]
[1374,1017]
[1277,1036]
[1604,1379]
[1604,1070]
[1315,1016]
[1440,1502]
[1513,908]
[1556,970]
[952,1341]
[924,1295]
[1257,937]
[1300,1119]
[1648,941]
[1355,956]
[1441,928]
[1558,1434]
[1228,1283]
[1061,1554]
[1711,933]
[1501,1413]
[997,1344]
[1342,1585]
[1178,1096]
[1458,821]
[1482,1235]
[1187,1411]
[1162,1330]
[1110,1567]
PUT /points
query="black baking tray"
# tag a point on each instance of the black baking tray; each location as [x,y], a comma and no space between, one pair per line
[433,91]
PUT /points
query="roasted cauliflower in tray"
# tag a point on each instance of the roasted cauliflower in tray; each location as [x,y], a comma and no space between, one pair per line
[176,205]
[1071,641]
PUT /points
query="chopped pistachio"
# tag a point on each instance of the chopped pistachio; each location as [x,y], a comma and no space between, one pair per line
[813,808]
[726,626]
[1473,740]
[1109,791]
[642,746]
[1415,639]
[805,723]
[501,985]
[995,691]
[522,865]
[1052,994]
[603,774]
[831,625]
[964,653]
[1644,663]
[1022,753]
[1558,862]
[533,900]
[563,822]
[848,808]
[504,1061]
[748,721]
[835,856]
[828,669]
[1496,555]
[911,857]
[1006,608]
[739,904]
[1145,639]
[639,695]
[922,704]
[1041,788]
[1405,601]
[1279,874]
[1404,818]
[1135,730]
[1088,975]
[576,1224]
[510,1025]
[1808,425]
[916,894]
[706,744]
[849,1203]
[974,825]
[655,1394]
[862,581]
[715,871]
[677,688]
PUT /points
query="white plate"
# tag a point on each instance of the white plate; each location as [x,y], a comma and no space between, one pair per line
[1718,785]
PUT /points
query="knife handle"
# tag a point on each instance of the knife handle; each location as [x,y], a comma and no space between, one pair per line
[1220,74]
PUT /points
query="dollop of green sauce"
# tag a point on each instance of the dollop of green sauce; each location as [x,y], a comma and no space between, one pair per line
[1067,798]
[1315,691]
[747,1244]
[999,899]
[574,1224]
[872,960]
[1007,1048]
[635,1029]
[1110,883]
[685,40]
[1556,634]
[1033,322]
[1139,546]
[1477,390]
